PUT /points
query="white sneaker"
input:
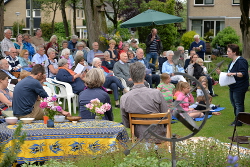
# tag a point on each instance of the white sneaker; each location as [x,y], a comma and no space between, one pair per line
[126,90]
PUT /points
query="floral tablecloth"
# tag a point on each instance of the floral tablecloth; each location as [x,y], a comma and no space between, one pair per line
[66,139]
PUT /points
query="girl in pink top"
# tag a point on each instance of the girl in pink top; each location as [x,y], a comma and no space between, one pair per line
[186,96]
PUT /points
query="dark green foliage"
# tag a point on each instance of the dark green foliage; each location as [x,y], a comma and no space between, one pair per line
[11,154]
[59,30]
[166,32]
[47,33]
[15,28]
[226,36]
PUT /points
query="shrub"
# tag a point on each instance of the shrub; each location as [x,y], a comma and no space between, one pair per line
[46,28]
[8,156]
[15,28]
[226,36]
[187,39]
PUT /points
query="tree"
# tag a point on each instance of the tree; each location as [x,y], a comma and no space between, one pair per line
[49,6]
[245,27]
[96,22]
[115,4]
[166,32]
[64,17]
[74,15]
[1,19]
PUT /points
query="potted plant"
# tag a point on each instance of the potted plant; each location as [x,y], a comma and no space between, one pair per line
[50,109]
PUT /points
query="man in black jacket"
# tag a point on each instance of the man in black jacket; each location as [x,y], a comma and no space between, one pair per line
[154,46]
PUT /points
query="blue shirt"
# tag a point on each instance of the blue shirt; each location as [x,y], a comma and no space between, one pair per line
[38,59]
[91,55]
[9,74]
[25,95]
[168,68]
[203,48]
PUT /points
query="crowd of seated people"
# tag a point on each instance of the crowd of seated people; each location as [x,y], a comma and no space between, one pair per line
[59,61]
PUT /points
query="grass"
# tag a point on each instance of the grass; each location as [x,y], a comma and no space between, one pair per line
[216,126]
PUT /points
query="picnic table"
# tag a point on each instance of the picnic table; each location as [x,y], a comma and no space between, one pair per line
[66,139]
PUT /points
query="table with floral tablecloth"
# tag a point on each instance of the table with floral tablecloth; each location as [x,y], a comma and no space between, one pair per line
[66,139]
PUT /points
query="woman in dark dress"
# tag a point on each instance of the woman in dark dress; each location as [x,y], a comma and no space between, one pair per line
[94,80]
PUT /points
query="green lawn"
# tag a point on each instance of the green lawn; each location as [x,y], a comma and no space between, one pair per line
[216,126]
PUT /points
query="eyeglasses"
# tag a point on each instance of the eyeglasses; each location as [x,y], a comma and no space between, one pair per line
[26,54]
[13,52]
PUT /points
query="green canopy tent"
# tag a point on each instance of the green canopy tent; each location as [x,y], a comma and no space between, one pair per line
[151,17]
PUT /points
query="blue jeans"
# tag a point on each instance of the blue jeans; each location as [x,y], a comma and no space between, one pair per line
[113,83]
[153,56]
[237,99]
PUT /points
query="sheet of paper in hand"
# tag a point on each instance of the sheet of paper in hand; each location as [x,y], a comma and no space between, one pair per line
[225,80]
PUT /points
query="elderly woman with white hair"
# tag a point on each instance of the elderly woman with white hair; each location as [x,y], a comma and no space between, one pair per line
[51,65]
[199,46]
[111,81]
[170,68]
[94,80]
[80,46]
[65,74]
[53,44]
[66,55]
[108,62]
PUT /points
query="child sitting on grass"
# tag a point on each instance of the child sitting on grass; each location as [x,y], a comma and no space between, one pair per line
[184,96]
[202,100]
[166,88]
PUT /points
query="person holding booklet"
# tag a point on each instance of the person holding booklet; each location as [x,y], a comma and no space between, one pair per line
[238,68]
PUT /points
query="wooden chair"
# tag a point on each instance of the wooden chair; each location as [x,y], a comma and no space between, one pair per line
[166,120]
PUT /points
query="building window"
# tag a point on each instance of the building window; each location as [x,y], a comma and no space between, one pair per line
[36,13]
[236,2]
[78,13]
[197,26]
[203,2]
[207,27]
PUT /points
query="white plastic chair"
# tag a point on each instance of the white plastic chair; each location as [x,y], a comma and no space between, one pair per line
[52,85]
[48,90]
[66,90]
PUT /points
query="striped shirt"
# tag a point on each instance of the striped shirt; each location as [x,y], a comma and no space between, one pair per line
[153,46]
[6,44]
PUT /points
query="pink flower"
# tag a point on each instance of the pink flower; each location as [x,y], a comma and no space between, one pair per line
[59,108]
[53,98]
[107,106]
[99,110]
[43,105]
[89,105]
[95,101]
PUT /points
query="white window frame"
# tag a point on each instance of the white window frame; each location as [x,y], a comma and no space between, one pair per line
[204,3]
[33,13]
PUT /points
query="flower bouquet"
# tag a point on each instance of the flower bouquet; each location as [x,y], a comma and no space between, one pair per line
[31,64]
[98,108]
[48,104]
[115,35]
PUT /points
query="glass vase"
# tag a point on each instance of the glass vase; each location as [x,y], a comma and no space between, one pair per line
[50,123]
[98,117]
